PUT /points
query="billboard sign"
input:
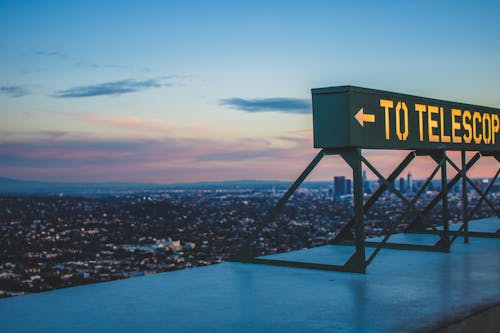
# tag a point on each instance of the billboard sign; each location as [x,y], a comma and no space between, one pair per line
[348,116]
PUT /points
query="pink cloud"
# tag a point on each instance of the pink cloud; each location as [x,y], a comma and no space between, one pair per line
[124,121]
[65,158]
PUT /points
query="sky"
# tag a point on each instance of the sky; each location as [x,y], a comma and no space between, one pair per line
[180,91]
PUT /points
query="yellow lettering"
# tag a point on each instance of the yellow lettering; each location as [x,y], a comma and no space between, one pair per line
[476,117]
[431,123]
[402,136]
[444,138]
[495,127]
[486,128]
[421,108]
[455,125]
[386,104]
[467,126]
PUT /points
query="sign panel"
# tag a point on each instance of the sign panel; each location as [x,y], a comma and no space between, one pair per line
[349,116]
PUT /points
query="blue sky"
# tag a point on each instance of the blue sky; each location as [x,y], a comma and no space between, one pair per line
[168,91]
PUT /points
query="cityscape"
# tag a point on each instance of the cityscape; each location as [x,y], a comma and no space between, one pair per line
[57,241]
[249,166]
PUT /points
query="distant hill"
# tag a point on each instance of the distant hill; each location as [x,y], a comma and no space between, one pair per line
[8,185]
[14,186]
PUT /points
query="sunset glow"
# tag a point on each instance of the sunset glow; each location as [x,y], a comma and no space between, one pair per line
[176,91]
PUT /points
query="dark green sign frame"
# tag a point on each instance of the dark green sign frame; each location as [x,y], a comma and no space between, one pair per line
[348,116]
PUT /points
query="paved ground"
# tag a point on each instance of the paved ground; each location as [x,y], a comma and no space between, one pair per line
[403,291]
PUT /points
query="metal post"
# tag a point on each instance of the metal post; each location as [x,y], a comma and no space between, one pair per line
[464,197]
[444,190]
[359,228]
[483,197]
[345,232]
[474,186]
[358,261]
[415,224]
[383,243]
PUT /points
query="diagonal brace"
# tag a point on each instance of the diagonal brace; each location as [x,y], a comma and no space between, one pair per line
[407,210]
[246,250]
[414,225]
[344,232]
[474,186]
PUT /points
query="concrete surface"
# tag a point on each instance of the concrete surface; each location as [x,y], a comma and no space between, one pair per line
[403,291]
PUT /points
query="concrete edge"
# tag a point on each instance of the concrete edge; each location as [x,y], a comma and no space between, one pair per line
[485,319]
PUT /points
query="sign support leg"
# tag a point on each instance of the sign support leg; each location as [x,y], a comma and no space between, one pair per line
[358,261]
[416,224]
[464,197]
[444,190]
[246,251]
[344,234]
[444,243]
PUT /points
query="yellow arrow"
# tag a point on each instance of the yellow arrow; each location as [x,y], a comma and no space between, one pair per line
[362,117]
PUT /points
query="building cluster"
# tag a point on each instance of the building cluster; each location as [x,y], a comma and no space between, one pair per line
[342,186]
[49,242]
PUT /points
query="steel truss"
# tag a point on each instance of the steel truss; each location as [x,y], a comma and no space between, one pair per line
[352,233]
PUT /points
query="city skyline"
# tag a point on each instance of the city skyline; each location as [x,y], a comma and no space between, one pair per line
[169,92]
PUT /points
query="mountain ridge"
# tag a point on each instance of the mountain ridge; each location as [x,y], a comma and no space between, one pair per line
[17,186]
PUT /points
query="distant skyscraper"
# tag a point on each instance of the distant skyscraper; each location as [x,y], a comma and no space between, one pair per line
[339,185]
[410,182]
[348,186]
[365,183]
[402,185]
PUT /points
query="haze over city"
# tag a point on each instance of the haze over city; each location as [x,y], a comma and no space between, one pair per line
[164,91]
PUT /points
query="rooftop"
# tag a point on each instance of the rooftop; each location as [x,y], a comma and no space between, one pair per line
[403,291]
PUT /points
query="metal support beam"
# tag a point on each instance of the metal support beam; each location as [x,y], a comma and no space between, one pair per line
[461,230]
[300,264]
[356,263]
[483,195]
[390,186]
[445,240]
[474,186]
[441,245]
[246,251]
[345,232]
[465,218]
[353,158]
[466,214]
[416,224]
[379,245]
